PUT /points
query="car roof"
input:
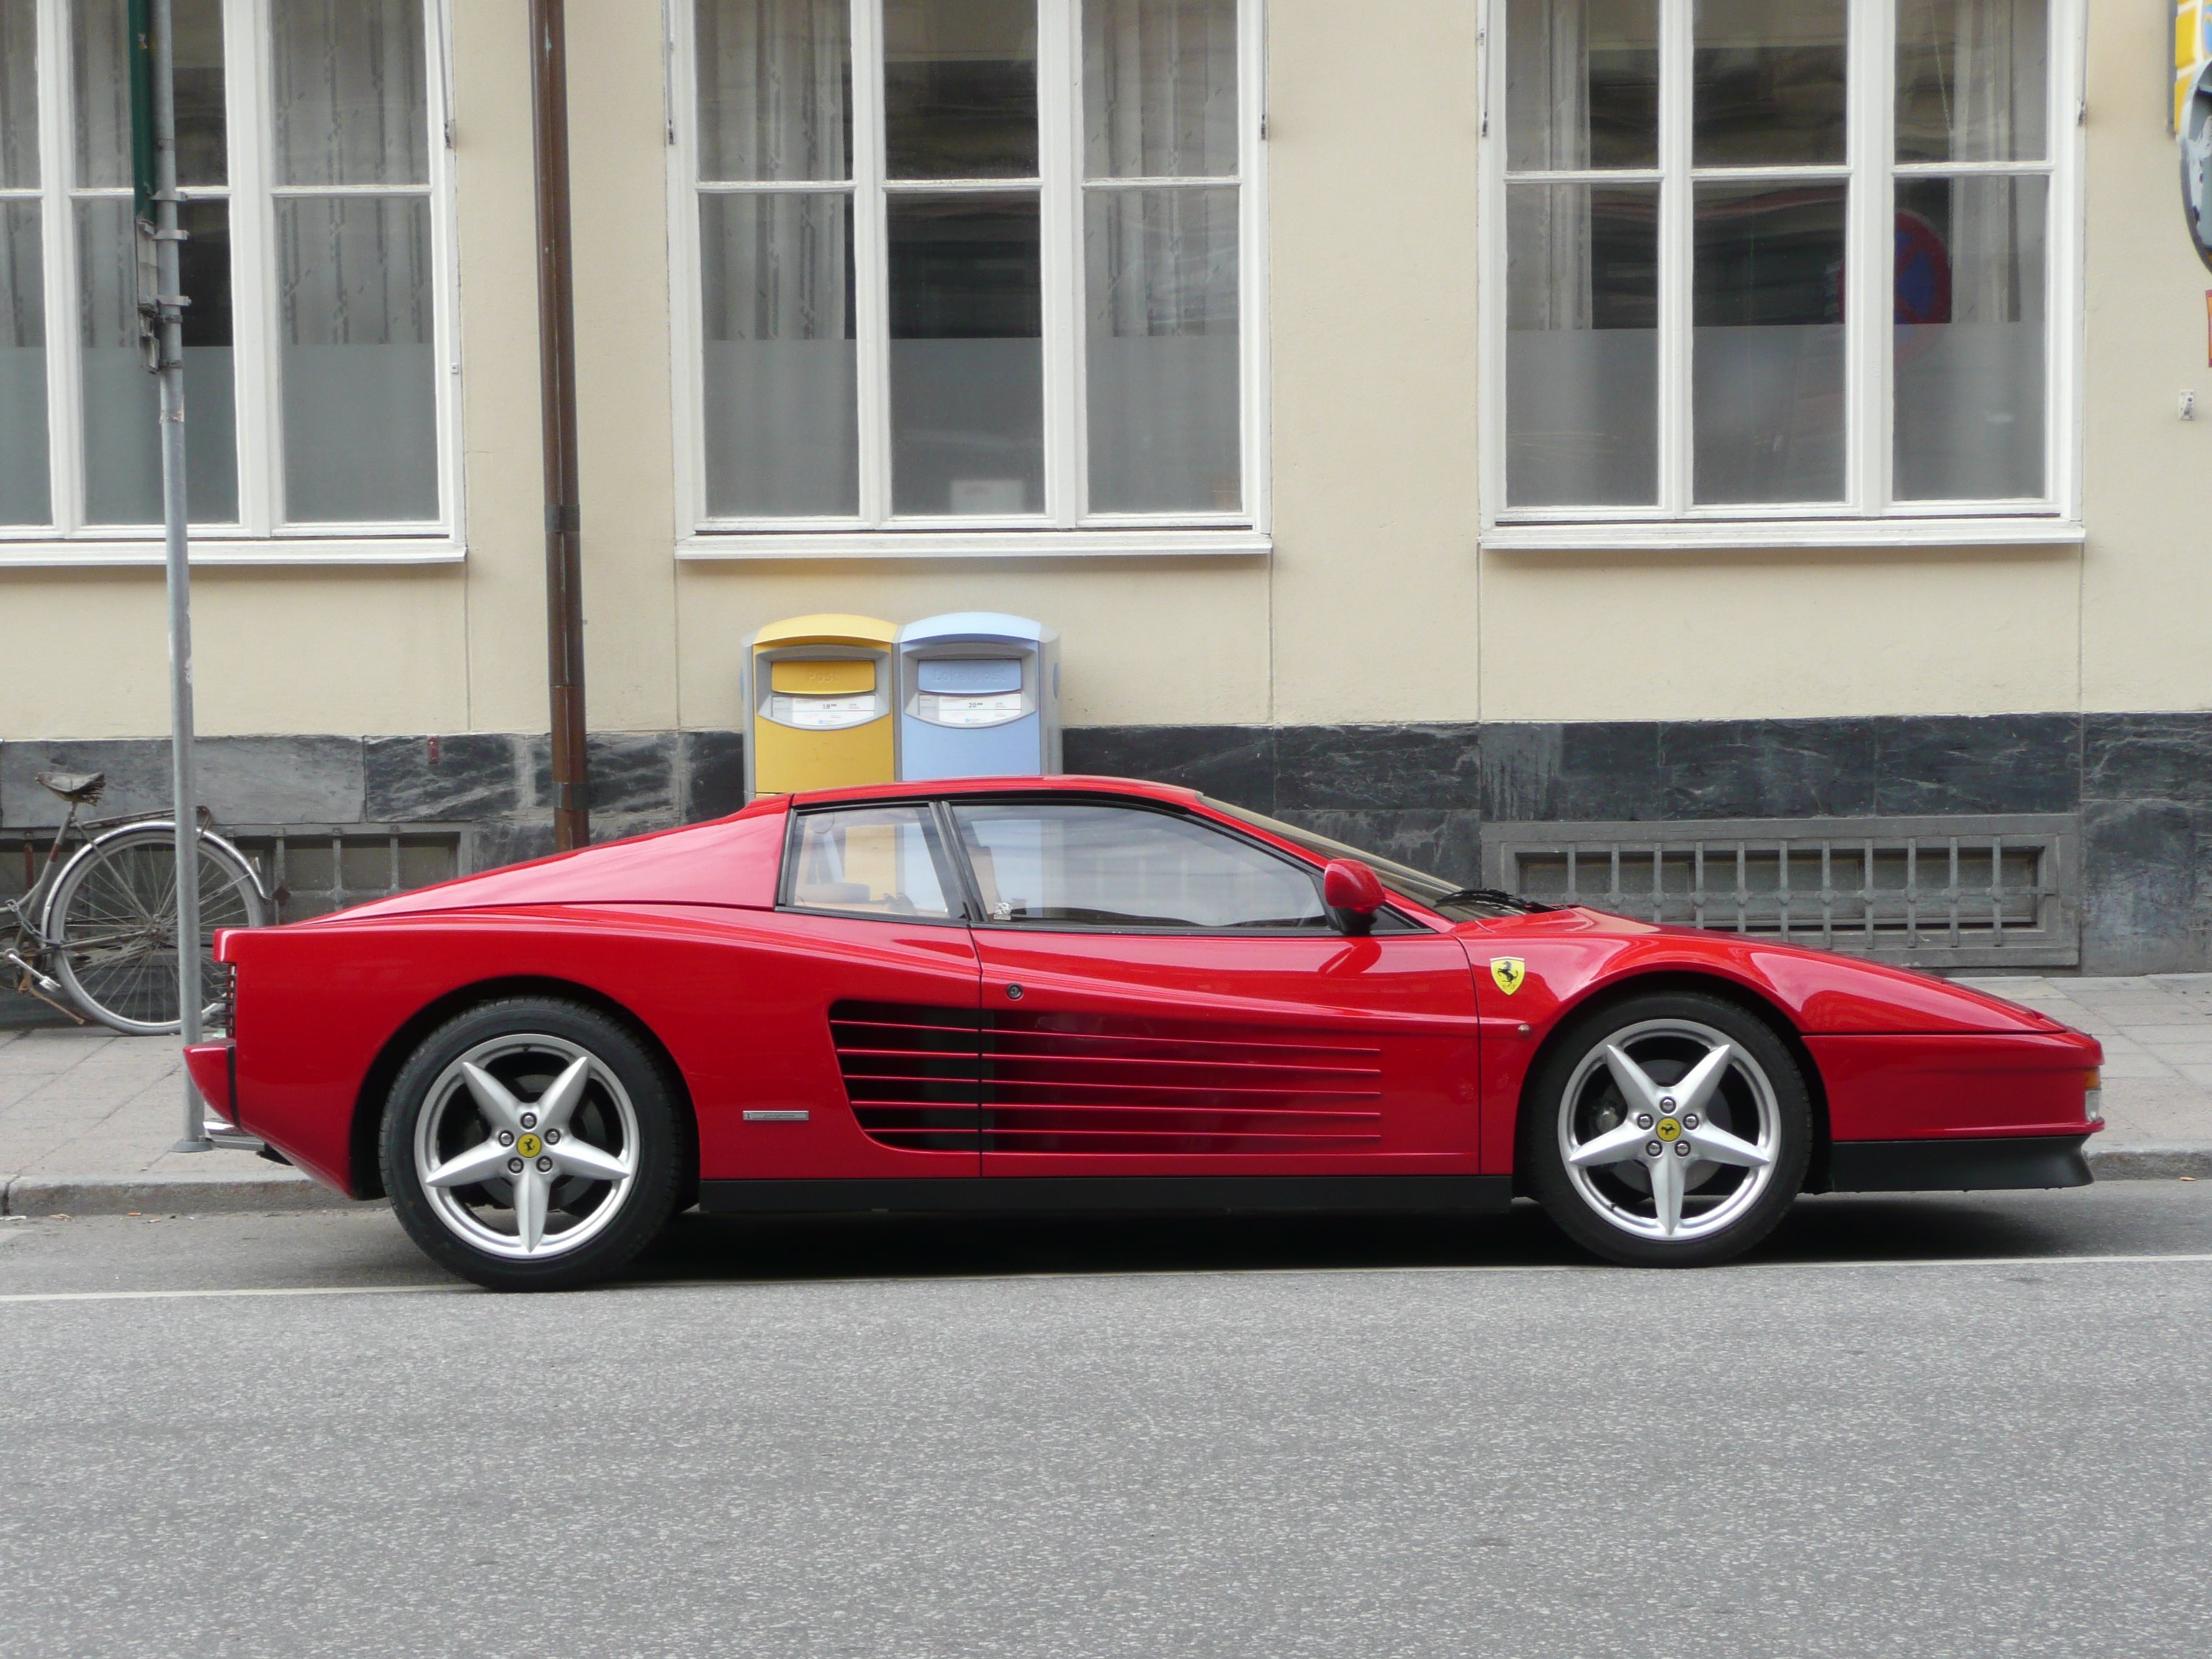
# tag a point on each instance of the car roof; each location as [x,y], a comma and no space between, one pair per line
[1074,785]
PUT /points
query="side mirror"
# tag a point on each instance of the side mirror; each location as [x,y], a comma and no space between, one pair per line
[1352,896]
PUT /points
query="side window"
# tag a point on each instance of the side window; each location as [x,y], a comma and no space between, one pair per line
[1108,866]
[869,861]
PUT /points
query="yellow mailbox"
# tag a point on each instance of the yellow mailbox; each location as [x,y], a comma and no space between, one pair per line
[820,711]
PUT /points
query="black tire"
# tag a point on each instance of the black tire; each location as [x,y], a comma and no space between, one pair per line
[627,1109]
[1602,1207]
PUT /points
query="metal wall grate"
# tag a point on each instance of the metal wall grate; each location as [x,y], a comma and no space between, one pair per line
[313,869]
[1966,892]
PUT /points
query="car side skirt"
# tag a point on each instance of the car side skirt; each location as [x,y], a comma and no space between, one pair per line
[1958,1165]
[1093,1194]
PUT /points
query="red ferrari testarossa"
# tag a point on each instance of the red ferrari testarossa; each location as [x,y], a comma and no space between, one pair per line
[1087,993]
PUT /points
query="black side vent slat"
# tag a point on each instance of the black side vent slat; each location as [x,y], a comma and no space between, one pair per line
[912,1073]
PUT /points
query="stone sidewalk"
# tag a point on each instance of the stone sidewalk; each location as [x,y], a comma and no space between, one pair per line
[87,1118]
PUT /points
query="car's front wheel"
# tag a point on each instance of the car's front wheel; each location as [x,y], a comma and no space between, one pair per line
[1667,1130]
[532,1144]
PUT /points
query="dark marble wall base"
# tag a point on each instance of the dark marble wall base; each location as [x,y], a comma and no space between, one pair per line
[2141,783]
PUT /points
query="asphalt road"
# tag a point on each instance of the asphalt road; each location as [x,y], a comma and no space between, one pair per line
[1928,1426]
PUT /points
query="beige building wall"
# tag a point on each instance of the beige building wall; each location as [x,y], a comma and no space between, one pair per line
[1376,606]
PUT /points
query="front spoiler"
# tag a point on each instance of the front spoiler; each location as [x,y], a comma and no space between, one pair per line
[1998,1165]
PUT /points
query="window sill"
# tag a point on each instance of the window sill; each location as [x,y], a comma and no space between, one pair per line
[1119,543]
[1691,536]
[100,553]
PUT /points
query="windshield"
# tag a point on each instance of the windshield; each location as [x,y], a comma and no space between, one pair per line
[1446,898]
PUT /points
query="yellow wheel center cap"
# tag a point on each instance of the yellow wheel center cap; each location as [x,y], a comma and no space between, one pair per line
[531,1146]
[1668,1129]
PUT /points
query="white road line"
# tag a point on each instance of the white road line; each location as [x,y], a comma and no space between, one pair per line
[2198,1258]
[188,1296]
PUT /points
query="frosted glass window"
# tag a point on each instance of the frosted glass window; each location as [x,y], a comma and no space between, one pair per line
[967,360]
[1583,84]
[1972,317]
[357,354]
[781,372]
[122,431]
[1767,369]
[898,324]
[1161,287]
[24,497]
[1582,362]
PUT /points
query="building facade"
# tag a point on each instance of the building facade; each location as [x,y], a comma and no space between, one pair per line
[1460,425]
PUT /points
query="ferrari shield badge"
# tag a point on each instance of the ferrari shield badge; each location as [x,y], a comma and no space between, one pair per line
[1508,972]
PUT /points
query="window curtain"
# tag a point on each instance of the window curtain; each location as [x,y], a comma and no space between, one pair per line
[780,379]
[1161,276]
[23,494]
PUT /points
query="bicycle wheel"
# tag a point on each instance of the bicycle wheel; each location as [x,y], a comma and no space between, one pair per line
[112,922]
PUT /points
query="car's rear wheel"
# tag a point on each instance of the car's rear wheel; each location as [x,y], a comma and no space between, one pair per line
[532,1144]
[1667,1130]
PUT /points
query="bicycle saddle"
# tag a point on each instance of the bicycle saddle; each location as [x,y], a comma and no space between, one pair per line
[83,787]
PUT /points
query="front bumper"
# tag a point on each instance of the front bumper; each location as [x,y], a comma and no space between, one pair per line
[1964,1164]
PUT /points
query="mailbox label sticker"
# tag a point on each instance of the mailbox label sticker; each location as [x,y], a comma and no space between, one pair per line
[993,710]
[828,713]
[1508,972]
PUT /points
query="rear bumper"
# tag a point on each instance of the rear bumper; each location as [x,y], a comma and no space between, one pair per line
[213,1066]
[1963,1165]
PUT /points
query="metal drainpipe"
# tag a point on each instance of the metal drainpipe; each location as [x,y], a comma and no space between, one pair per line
[556,363]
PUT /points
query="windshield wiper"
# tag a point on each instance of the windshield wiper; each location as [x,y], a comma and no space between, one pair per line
[1497,896]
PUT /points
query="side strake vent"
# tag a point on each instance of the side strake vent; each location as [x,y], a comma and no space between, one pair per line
[1076,1083]
[936,1080]
[910,1073]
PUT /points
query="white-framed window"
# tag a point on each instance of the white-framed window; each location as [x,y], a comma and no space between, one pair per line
[1680,197]
[318,397]
[968,275]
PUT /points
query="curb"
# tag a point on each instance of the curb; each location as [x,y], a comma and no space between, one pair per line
[74,1195]
[2152,1161]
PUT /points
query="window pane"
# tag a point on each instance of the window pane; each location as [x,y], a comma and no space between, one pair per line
[1582,345]
[967,355]
[1120,866]
[875,860]
[1160,286]
[775,81]
[1969,338]
[19,95]
[1767,353]
[122,404]
[99,36]
[24,493]
[1582,84]
[1971,78]
[356,352]
[960,93]
[1159,89]
[351,106]
[1769,82]
[781,380]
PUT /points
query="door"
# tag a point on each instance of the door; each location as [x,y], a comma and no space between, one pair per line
[875,1006]
[1163,996]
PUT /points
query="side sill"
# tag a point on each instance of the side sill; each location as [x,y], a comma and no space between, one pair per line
[1097,1194]
[1958,1166]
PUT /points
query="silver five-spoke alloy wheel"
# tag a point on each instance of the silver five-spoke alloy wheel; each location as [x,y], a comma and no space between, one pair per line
[526,1146]
[1668,1129]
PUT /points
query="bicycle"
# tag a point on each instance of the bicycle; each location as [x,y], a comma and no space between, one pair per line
[100,925]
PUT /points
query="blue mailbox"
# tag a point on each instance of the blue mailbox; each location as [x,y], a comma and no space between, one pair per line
[979,696]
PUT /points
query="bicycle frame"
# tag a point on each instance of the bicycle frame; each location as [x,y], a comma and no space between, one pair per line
[28,912]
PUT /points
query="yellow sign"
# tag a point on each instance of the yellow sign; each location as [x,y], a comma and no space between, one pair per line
[1508,972]
[1668,1129]
[530,1146]
[2192,47]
